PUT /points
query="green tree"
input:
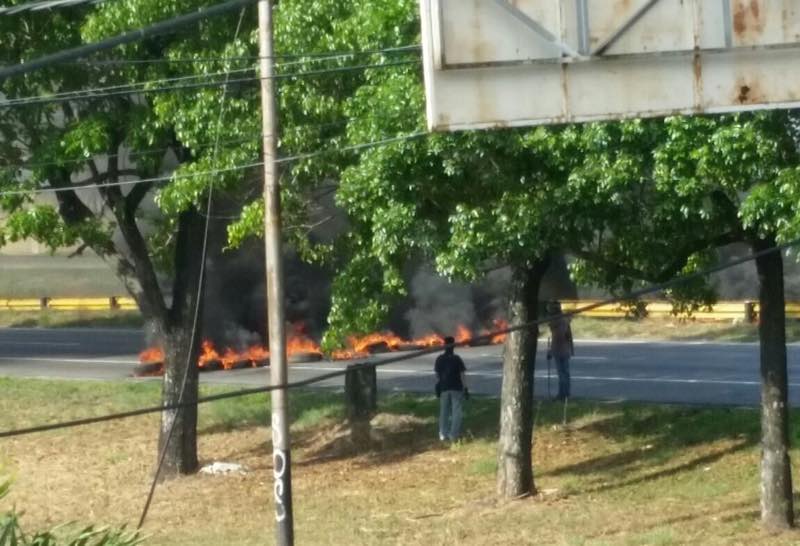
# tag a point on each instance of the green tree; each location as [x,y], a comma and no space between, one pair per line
[155,230]
[701,183]
[144,230]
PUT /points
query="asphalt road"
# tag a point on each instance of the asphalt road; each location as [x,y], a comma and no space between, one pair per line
[690,373]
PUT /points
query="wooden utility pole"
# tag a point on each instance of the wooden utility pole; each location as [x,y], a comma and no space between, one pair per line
[281,458]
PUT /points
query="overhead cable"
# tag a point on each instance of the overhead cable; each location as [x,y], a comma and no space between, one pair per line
[162,27]
[39,5]
[407,356]
[198,296]
[166,178]
[89,94]
[316,56]
[128,182]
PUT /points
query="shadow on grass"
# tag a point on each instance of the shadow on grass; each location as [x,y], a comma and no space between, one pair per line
[664,430]
[741,510]
[406,425]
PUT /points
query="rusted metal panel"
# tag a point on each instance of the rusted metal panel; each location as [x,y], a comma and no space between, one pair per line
[550,61]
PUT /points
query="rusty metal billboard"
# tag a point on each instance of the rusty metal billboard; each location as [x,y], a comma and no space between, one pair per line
[494,63]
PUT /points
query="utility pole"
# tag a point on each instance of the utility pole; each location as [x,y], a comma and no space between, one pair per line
[281,458]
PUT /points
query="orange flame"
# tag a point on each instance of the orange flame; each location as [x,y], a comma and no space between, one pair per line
[302,344]
[362,344]
[463,334]
[298,341]
[207,354]
[151,355]
[499,324]
[431,340]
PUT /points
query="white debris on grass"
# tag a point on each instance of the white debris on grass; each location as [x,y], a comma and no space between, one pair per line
[218,468]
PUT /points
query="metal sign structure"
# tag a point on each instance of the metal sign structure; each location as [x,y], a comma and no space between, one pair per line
[496,63]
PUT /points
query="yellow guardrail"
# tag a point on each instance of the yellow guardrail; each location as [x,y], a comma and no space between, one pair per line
[69,304]
[725,310]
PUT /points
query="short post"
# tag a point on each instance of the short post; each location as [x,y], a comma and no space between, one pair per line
[361,400]
[113,303]
[44,303]
[749,312]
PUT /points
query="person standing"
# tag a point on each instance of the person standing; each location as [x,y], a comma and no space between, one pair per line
[451,388]
[562,348]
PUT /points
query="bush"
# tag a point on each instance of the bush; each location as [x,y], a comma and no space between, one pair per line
[11,533]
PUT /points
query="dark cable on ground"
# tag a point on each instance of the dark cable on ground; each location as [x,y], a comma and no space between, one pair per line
[406,356]
[190,364]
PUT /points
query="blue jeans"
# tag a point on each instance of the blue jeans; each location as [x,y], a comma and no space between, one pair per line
[562,365]
[451,413]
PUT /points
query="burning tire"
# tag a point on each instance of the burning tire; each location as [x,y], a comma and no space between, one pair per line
[404,347]
[377,348]
[262,363]
[242,364]
[299,358]
[149,369]
[211,366]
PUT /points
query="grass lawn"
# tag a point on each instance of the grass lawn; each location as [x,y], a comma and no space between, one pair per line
[628,474]
[672,329]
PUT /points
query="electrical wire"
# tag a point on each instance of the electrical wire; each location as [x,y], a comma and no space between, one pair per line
[198,296]
[129,182]
[164,149]
[308,57]
[132,86]
[408,355]
[286,159]
[89,94]
[39,5]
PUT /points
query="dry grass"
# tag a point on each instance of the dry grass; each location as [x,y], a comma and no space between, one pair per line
[673,329]
[618,474]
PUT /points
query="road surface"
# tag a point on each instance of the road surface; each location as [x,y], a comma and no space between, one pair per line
[673,372]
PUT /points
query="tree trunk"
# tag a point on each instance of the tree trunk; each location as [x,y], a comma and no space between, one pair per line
[182,347]
[514,466]
[777,511]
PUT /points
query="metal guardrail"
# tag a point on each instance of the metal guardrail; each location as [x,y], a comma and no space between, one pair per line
[747,311]
[113,303]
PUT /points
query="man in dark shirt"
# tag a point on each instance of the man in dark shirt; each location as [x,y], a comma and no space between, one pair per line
[451,389]
[561,347]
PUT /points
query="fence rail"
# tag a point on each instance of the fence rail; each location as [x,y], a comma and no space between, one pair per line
[747,311]
[113,303]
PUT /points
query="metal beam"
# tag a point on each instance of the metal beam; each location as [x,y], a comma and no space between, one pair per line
[727,22]
[617,34]
[537,28]
[583,26]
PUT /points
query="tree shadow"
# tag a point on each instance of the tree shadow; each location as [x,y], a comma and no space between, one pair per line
[661,431]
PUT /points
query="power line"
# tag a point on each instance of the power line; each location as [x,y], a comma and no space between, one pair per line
[129,182]
[354,147]
[407,356]
[164,149]
[198,296]
[89,94]
[306,57]
[286,159]
[45,4]
[162,27]
[134,85]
